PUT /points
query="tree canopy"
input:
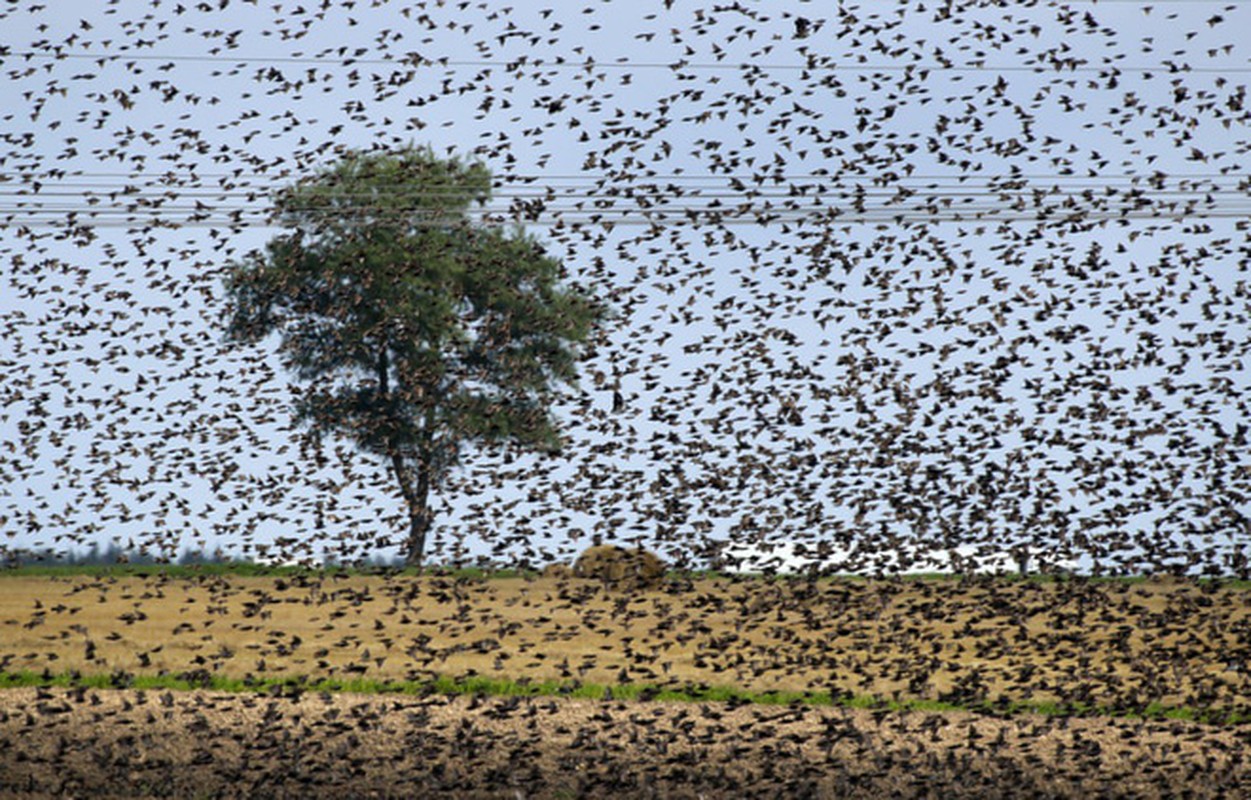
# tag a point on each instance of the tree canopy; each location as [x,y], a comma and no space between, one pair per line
[415,328]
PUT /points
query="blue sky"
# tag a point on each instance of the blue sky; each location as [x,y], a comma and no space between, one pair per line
[884,273]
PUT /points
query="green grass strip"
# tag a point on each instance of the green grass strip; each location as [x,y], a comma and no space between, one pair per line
[291,686]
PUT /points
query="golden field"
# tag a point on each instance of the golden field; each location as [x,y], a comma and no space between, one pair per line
[1110,643]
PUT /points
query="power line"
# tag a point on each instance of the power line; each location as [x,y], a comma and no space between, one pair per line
[61,176]
[764,186]
[588,176]
[98,196]
[92,198]
[608,218]
[575,201]
[525,62]
[607,202]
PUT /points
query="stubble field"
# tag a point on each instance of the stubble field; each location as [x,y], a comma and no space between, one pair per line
[1154,647]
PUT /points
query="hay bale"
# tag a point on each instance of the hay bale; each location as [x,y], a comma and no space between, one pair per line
[557,571]
[618,567]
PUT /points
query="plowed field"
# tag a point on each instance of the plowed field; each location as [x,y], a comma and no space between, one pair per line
[59,743]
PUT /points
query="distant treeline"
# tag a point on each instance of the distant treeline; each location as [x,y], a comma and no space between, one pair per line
[113,554]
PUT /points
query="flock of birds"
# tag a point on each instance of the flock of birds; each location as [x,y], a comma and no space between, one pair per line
[885,277]
[901,275]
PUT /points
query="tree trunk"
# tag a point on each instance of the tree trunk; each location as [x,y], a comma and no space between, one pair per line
[416,491]
[416,497]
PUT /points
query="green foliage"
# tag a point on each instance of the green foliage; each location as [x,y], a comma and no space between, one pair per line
[415,329]
[383,272]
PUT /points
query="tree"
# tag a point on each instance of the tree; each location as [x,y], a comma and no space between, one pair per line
[416,329]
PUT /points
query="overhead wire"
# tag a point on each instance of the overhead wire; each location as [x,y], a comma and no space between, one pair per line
[525,61]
